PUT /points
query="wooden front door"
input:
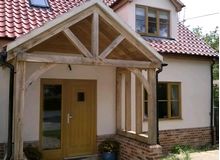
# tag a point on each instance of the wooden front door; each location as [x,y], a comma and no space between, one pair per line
[68,118]
[80,113]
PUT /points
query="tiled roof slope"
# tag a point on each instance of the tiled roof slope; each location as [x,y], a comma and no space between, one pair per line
[18,18]
[186,43]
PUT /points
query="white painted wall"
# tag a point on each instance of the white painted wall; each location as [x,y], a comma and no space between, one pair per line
[127,12]
[105,77]
[194,76]
[4,96]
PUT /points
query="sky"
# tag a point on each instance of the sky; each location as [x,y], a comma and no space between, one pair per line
[196,8]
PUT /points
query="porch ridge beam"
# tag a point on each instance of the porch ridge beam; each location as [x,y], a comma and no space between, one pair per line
[77,43]
[95,35]
[112,46]
[77,60]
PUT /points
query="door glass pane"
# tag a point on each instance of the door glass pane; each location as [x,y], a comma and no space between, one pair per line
[140,20]
[174,109]
[51,123]
[162,110]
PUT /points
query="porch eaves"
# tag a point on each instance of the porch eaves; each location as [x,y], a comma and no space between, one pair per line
[20,44]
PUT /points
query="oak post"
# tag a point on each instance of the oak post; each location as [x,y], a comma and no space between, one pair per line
[128,101]
[138,111]
[118,99]
[19,110]
[95,34]
[152,109]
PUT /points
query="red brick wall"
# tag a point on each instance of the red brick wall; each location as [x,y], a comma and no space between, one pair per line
[190,136]
[135,150]
[2,149]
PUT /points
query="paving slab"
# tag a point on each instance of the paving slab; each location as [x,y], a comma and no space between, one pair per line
[208,155]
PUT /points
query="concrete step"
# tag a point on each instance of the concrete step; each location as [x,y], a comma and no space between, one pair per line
[87,157]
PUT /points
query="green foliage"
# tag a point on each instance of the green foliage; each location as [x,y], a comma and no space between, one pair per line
[212,39]
[109,145]
[32,153]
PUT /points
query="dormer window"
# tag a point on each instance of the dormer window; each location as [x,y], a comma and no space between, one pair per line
[153,22]
[40,3]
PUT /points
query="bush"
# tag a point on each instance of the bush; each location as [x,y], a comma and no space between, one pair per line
[109,145]
[32,153]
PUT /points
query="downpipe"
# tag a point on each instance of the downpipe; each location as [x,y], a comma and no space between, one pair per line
[4,63]
[157,82]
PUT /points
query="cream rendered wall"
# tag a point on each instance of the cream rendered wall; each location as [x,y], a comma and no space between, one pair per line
[127,12]
[4,96]
[105,77]
[194,76]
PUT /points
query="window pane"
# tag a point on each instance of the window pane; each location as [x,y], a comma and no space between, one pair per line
[162,110]
[140,20]
[174,109]
[164,15]
[51,117]
[40,3]
[145,94]
[174,92]
[152,21]
[164,30]
[162,91]
[146,109]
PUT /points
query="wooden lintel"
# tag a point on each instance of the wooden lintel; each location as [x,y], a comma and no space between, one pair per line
[118,99]
[95,35]
[77,43]
[138,108]
[128,101]
[34,76]
[112,46]
[79,60]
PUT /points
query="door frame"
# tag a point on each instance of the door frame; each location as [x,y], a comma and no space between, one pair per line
[57,154]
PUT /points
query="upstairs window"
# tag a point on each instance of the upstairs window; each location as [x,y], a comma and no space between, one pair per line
[40,3]
[152,21]
[169,101]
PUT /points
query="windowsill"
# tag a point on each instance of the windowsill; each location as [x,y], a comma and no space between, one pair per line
[165,119]
[146,36]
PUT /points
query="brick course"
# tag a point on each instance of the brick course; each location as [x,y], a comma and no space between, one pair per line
[191,136]
[2,150]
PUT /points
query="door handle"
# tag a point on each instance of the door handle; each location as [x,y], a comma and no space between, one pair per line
[69,116]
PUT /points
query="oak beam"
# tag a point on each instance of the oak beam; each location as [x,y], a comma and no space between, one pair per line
[95,35]
[112,46]
[77,43]
[19,109]
[139,102]
[141,77]
[34,76]
[128,101]
[118,100]
[152,109]
[79,60]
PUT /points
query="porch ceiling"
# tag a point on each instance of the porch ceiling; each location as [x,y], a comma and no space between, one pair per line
[77,33]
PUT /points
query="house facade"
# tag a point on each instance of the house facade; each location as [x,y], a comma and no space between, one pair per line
[86,71]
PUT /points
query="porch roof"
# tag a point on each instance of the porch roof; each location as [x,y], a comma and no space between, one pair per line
[75,33]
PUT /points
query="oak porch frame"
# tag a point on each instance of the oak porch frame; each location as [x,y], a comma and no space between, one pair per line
[19,49]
